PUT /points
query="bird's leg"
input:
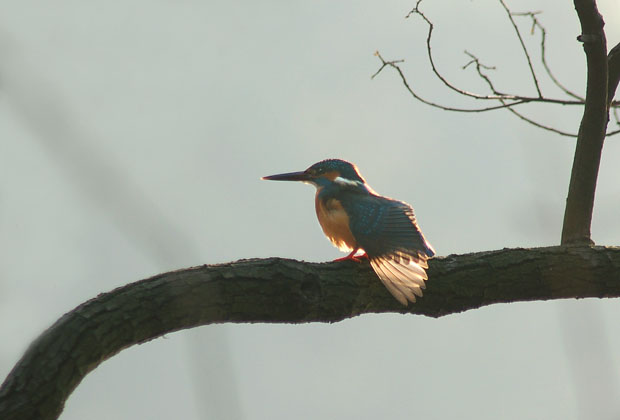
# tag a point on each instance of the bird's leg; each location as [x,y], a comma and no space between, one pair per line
[352,256]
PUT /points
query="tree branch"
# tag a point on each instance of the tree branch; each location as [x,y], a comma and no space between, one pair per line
[580,200]
[543,52]
[497,96]
[523,47]
[479,66]
[613,67]
[507,101]
[394,65]
[286,291]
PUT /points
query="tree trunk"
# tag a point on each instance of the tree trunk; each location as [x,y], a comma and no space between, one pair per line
[580,200]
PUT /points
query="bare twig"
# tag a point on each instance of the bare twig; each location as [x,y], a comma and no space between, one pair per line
[507,97]
[544,127]
[543,52]
[523,47]
[479,66]
[394,65]
[507,101]
[385,63]
[474,60]
[416,10]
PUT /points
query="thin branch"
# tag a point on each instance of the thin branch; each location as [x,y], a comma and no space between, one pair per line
[523,47]
[385,63]
[507,101]
[474,60]
[393,64]
[511,97]
[416,10]
[504,104]
[543,52]
[479,66]
[540,125]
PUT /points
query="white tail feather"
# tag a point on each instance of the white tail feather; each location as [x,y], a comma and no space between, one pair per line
[404,279]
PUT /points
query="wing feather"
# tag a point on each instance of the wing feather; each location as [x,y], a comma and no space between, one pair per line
[387,279]
[388,232]
[404,282]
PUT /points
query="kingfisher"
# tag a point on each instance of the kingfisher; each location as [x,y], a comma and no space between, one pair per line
[357,219]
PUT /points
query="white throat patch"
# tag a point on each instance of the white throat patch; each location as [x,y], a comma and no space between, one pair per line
[344,181]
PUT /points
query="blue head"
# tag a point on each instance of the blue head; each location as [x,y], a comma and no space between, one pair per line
[325,172]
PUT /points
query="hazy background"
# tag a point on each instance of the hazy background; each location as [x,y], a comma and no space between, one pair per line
[133,136]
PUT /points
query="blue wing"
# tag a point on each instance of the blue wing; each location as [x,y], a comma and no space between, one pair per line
[383,227]
[387,230]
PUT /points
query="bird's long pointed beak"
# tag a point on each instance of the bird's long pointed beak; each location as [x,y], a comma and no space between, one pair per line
[291,176]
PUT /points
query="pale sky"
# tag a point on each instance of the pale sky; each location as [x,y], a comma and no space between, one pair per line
[133,138]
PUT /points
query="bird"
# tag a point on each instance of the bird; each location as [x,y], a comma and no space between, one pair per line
[357,219]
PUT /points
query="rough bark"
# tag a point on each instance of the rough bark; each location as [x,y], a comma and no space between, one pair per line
[613,67]
[580,200]
[285,291]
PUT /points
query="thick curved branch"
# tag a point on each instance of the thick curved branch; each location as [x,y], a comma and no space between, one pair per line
[580,200]
[285,291]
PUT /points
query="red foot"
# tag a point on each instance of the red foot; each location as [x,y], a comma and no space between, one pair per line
[352,256]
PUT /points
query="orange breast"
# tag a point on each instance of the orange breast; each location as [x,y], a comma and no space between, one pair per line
[335,224]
